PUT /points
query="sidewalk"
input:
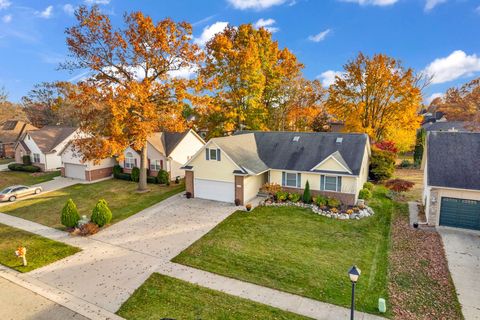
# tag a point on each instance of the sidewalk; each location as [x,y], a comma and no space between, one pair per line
[115,262]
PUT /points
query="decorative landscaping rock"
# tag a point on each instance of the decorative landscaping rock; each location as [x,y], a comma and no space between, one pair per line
[362,213]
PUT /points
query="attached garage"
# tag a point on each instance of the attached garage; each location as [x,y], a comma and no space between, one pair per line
[460,213]
[214,190]
[75,171]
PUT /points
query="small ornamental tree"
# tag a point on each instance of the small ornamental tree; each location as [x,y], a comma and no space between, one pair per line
[307,196]
[387,146]
[271,188]
[399,185]
[382,164]
[101,214]
[70,214]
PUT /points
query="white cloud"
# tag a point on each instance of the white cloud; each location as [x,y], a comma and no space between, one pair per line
[430,4]
[4,4]
[380,3]
[46,14]
[327,78]
[91,2]
[183,73]
[69,9]
[210,31]
[320,36]
[457,64]
[267,24]
[477,10]
[7,18]
[433,96]
[255,4]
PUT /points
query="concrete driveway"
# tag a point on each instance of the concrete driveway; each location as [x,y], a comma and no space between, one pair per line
[18,303]
[119,259]
[463,254]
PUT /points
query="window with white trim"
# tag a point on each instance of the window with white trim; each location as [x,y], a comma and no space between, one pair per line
[213,154]
[155,165]
[291,179]
[129,161]
[36,157]
[331,183]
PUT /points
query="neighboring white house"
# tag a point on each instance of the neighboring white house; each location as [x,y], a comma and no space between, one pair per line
[167,151]
[235,167]
[74,166]
[45,145]
[451,164]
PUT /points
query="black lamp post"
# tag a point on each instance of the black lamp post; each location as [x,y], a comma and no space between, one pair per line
[354,274]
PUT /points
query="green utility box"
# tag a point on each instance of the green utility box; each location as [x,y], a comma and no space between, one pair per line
[382,305]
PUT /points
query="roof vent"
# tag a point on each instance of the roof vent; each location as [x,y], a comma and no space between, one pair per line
[339,140]
[296,138]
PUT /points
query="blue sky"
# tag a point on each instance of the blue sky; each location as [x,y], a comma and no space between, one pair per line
[440,37]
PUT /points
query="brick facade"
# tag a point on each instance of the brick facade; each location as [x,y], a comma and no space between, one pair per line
[41,165]
[239,194]
[189,182]
[7,150]
[345,198]
[97,174]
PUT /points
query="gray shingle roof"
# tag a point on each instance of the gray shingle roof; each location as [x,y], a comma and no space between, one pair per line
[259,151]
[446,126]
[48,137]
[453,160]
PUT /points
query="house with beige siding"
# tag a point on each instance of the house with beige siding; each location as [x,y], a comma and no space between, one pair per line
[167,151]
[451,165]
[44,146]
[236,167]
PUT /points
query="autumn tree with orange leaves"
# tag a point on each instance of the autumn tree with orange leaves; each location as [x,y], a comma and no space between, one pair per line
[251,83]
[130,93]
[462,104]
[380,97]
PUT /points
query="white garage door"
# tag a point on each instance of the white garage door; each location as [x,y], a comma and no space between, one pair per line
[75,171]
[214,190]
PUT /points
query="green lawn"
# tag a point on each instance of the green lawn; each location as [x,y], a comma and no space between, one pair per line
[121,196]
[165,297]
[294,250]
[40,251]
[10,178]
[6,160]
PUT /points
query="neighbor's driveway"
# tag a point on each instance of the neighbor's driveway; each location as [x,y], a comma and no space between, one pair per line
[463,255]
[119,259]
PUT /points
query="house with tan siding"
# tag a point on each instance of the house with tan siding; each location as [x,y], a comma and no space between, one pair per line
[236,167]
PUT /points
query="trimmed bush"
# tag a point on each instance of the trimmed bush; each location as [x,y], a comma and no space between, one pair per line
[321,200]
[333,203]
[117,169]
[101,214]
[135,174]
[406,164]
[368,185]
[307,196]
[281,196]
[26,160]
[365,194]
[294,197]
[123,176]
[162,177]
[70,216]
[151,179]
[22,167]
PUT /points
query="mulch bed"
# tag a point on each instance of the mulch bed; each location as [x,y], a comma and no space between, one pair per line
[420,285]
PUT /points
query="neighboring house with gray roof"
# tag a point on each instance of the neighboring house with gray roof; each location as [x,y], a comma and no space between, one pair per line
[454,126]
[45,145]
[451,167]
[167,151]
[11,132]
[237,166]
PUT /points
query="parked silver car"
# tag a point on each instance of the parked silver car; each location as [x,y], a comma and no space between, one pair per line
[14,192]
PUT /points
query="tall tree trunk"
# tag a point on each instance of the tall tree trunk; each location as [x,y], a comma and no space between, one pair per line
[142,181]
